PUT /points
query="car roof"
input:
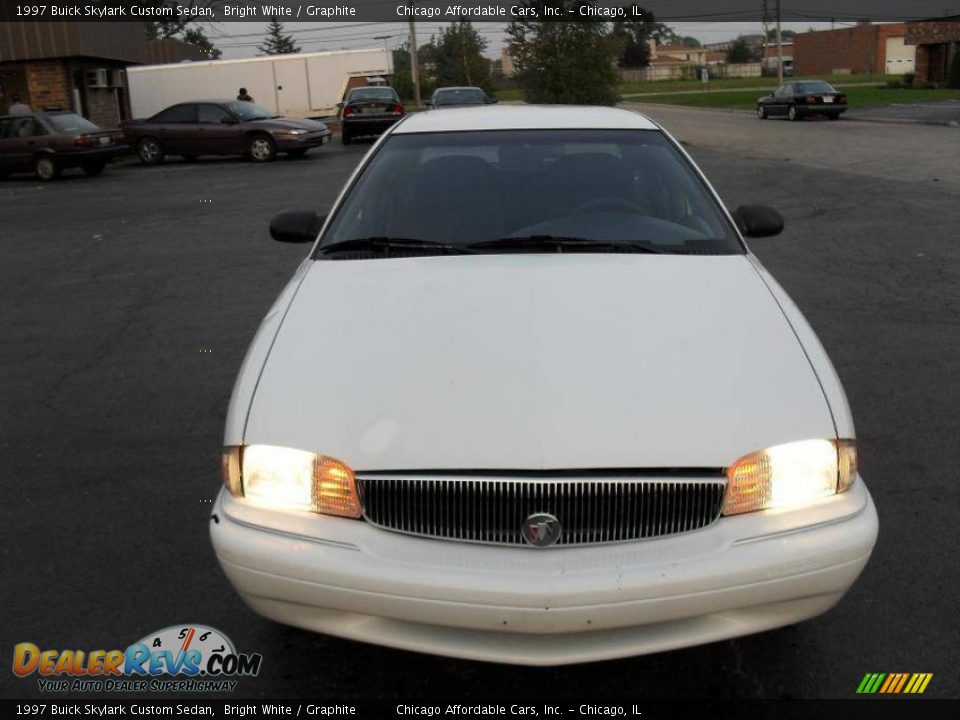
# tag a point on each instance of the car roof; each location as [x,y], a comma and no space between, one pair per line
[207,101]
[525,117]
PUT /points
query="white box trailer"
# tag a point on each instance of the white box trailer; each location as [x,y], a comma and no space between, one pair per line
[301,85]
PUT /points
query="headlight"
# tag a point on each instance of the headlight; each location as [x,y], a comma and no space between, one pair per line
[292,132]
[285,478]
[790,475]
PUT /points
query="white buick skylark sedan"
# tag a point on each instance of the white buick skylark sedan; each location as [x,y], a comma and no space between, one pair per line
[531,399]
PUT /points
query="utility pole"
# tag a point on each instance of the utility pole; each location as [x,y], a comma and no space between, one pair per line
[765,20]
[414,60]
[779,48]
[386,49]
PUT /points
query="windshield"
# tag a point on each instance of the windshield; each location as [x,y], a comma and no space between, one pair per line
[373,93]
[466,96]
[458,188]
[72,123]
[806,88]
[249,111]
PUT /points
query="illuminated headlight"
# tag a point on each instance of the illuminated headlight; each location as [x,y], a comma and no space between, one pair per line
[289,479]
[293,132]
[790,475]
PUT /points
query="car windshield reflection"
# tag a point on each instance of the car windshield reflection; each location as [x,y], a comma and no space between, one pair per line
[597,186]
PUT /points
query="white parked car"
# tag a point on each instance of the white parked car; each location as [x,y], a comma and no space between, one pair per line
[531,399]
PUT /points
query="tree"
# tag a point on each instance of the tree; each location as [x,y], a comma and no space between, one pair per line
[690,42]
[276,42]
[403,77]
[564,61]
[742,52]
[458,57]
[633,40]
[183,27]
[177,27]
[196,36]
[785,35]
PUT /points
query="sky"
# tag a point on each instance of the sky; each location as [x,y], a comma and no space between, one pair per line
[240,39]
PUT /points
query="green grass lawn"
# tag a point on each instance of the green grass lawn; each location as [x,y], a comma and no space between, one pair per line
[858,97]
[695,86]
[734,83]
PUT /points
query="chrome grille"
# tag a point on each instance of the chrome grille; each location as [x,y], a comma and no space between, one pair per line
[493,509]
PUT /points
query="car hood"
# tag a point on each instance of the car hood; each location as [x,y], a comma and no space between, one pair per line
[289,124]
[536,362]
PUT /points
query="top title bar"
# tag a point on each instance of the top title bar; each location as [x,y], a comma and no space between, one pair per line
[474,10]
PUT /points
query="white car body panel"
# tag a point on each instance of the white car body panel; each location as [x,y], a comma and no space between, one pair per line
[246,382]
[826,373]
[536,362]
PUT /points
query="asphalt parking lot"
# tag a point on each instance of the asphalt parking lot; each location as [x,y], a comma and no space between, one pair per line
[942,112]
[129,300]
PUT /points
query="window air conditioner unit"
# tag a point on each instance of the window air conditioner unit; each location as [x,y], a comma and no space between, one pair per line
[98,78]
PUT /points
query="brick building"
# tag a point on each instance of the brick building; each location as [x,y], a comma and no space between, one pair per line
[865,49]
[937,43]
[79,65]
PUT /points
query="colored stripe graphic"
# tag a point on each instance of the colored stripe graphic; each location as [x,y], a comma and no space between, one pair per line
[894,683]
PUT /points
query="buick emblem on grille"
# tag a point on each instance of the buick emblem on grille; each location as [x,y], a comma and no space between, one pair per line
[541,529]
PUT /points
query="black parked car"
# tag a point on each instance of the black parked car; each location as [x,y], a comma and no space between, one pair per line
[222,127]
[369,111]
[459,96]
[803,98]
[53,140]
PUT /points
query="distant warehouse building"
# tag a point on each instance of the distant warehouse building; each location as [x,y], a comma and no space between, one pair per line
[865,49]
[937,43]
[80,65]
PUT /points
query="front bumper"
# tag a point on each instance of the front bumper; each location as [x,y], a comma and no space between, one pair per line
[297,142]
[545,607]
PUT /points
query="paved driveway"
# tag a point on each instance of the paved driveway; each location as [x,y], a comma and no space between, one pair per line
[937,112]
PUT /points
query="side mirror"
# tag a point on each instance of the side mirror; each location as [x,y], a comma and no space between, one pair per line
[296,226]
[758,220]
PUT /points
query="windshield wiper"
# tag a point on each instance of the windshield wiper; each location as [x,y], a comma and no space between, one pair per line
[384,244]
[559,244]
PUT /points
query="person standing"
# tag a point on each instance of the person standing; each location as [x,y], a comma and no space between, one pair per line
[244,96]
[17,107]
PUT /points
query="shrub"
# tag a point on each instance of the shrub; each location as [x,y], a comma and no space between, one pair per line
[908,79]
[895,83]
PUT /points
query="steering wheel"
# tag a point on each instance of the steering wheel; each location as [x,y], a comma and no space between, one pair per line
[609,203]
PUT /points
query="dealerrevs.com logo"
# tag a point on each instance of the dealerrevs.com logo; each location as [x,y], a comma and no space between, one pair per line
[196,657]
